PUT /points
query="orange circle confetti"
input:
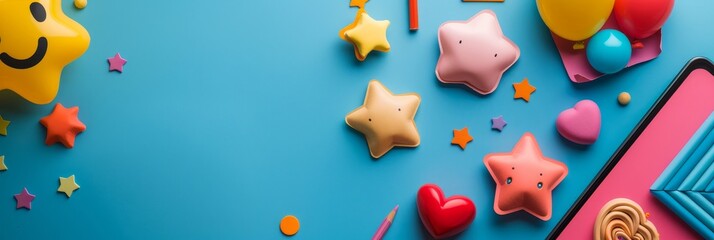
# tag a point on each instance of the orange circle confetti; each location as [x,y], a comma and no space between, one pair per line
[289,225]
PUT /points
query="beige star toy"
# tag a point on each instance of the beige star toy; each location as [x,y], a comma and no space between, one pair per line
[385,119]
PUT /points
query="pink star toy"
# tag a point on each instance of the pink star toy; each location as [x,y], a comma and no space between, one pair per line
[525,179]
[116,63]
[475,52]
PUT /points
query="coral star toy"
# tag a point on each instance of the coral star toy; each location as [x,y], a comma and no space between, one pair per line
[475,52]
[524,179]
[385,119]
[62,125]
[38,40]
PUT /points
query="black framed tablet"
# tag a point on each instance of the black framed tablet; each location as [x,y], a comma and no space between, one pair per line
[641,158]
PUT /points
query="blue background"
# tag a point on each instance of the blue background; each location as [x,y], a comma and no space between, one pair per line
[230,115]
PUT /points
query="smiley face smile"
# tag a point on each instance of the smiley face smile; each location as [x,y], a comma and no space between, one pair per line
[29,62]
[39,14]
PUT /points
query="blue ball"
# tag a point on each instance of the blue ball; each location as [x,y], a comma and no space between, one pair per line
[609,51]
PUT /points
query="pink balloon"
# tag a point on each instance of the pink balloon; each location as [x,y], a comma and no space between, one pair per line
[639,19]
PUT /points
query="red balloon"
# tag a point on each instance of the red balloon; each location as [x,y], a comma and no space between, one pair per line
[639,19]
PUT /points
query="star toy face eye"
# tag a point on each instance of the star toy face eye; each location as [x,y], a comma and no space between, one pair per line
[38,12]
[38,40]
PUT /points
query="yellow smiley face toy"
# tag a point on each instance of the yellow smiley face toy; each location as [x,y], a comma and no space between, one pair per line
[36,41]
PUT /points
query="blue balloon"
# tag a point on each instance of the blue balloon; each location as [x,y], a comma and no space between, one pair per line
[609,51]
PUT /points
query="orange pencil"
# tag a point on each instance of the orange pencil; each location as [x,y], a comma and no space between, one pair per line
[413,15]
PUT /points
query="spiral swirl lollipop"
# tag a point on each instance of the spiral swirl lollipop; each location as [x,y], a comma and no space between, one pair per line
[623,219]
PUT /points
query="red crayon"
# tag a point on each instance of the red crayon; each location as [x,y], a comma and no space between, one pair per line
[413,15]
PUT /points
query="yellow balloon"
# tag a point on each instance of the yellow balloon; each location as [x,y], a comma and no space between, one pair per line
[575,20]
[36,41]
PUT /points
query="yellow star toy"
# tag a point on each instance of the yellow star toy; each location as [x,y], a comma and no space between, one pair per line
[367,35]
[38,40]
[385,119]
[67,185]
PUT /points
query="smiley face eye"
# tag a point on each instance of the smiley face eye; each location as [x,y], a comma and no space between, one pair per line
[38,11]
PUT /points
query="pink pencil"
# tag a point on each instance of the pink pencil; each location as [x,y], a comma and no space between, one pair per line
[385,225]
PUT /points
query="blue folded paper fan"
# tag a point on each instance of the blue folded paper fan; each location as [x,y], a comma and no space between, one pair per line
[686,186]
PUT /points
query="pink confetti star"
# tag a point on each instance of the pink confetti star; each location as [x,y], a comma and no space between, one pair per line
[116,63]
[24,199]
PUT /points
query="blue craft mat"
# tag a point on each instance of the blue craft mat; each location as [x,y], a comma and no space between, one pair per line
[230,115]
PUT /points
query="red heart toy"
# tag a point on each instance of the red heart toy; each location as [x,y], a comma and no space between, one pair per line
[444,217]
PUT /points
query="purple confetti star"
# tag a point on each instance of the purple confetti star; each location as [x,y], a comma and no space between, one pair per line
[498,123]
[24,199]
[116,63]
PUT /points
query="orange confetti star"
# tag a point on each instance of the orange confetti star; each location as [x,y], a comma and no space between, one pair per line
[358,3]
[461,137]
[523,90]
[62,125]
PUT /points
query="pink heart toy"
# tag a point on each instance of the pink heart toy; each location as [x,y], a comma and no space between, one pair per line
[580,124]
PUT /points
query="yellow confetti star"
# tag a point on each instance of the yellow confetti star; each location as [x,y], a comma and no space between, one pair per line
[523,90]
[3,167]
[368,35]
[67,185]
[3,126]
[385,119]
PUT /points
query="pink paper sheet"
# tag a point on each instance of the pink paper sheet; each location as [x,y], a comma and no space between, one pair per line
[576,62]
[650,154]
